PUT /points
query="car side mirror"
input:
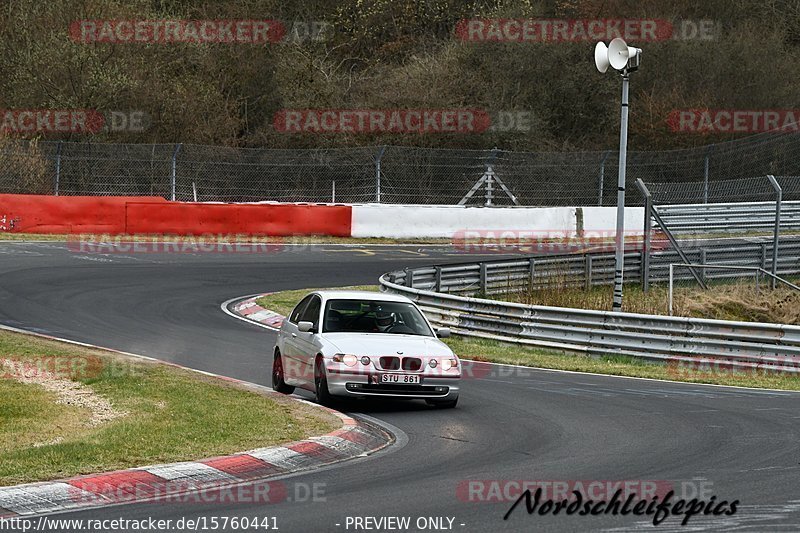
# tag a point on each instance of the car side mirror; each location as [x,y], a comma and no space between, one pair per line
[443,333]
[305,326]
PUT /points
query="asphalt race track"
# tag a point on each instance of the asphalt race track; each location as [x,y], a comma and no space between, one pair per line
[510,425]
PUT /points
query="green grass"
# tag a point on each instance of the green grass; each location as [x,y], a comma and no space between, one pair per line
[501,352]
[172,415]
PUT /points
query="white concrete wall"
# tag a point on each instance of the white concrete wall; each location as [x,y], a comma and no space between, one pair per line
[415,221]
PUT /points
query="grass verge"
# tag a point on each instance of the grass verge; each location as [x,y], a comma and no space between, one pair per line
[163,414]
[500,352]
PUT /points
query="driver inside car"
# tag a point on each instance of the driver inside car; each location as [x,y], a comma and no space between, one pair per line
[383,321]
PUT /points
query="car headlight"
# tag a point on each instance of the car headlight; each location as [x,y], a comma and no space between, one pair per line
[447,364]
[347,359]
[364,360]
[433,363]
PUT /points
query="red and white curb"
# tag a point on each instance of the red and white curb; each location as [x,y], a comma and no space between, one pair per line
[249,310]
[355,438]
[170,481]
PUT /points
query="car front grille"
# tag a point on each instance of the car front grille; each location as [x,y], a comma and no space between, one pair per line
[412,364]
[390,363]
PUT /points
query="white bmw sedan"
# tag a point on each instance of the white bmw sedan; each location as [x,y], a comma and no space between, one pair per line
[364,344]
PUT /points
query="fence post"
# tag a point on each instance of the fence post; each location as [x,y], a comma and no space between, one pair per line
[777,232]
[438,283]
[378,158]
[706,173]
[483,278]
[646,228]
[57,183]
[601,178]
[175,169]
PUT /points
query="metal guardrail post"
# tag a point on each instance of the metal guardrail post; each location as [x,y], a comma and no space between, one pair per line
[409,277]
[647,227]
[531,273]
[777,232]
[378,158]
[174,177]
[703,261]
[57,178]
[438,283]
[483,279]
[588,272]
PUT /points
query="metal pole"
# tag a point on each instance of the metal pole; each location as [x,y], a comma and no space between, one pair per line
[646,230]
[777,232]
[194,190]
[619,259]
[671,271]
[58,168]
[175,169]
[601,179]
[706,174]
[378,174]
[489,187]
[333,191]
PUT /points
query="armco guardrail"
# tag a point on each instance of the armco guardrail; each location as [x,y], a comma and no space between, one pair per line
[591,269]
[729,217]
[741,345]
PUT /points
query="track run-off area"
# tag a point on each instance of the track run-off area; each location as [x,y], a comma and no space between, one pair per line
[511,425]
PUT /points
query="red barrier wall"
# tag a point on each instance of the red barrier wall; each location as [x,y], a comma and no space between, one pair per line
[155,215]
[33,213]
[261,219]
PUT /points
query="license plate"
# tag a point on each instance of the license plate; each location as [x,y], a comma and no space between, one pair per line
[401,379]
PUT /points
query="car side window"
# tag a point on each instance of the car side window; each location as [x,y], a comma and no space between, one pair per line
[311,312]
[294,317]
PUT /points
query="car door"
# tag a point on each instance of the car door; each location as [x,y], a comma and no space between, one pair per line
[290,349]
[306,342]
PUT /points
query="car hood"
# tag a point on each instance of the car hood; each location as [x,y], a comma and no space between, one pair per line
[378,344]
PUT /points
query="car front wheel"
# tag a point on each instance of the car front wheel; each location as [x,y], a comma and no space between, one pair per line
[322,395]
[278,381]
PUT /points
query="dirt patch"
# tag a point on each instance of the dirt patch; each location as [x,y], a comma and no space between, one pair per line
[67,392]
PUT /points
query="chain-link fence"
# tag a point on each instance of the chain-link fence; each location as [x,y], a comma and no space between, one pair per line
[394,174]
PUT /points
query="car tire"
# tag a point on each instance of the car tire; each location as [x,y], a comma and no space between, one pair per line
[321,393]
[443,404]
[278,382]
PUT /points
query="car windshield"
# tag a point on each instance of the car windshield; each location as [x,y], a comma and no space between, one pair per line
[371,316]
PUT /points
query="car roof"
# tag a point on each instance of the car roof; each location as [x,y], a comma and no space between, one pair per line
[361,295]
